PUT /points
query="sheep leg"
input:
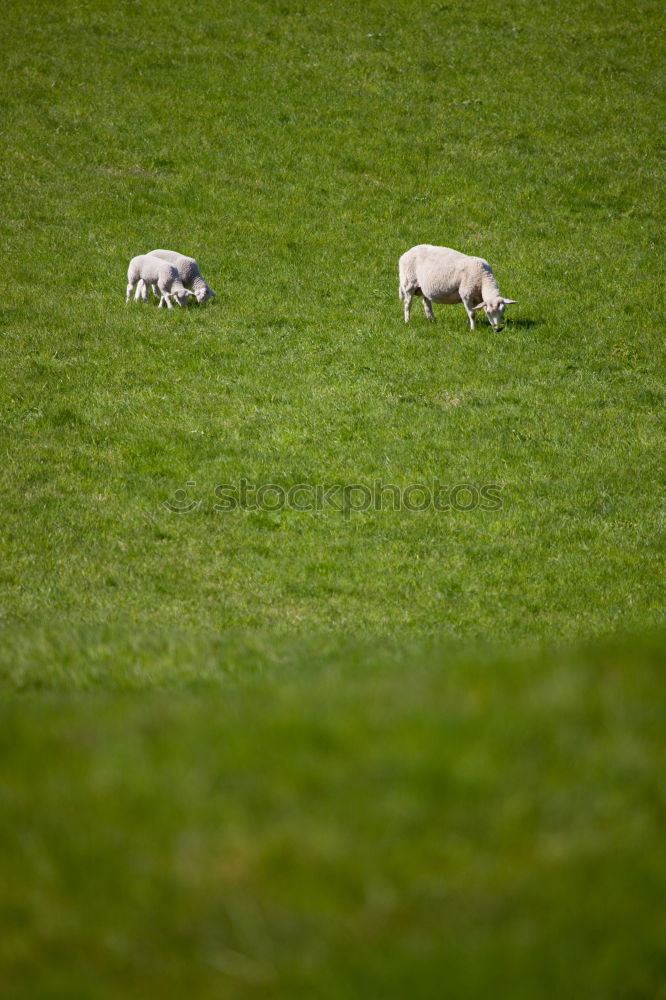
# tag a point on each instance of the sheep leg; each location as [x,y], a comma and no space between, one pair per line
[165,295]
[141,291]
[130,289]
[469,309]
[407,302]
[427,307]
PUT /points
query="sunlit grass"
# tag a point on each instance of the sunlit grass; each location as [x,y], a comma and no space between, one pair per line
[323,752]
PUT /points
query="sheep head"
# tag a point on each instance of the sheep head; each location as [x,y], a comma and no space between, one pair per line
[181,295]
[494,309]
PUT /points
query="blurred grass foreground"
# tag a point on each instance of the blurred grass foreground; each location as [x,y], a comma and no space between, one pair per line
[418,822]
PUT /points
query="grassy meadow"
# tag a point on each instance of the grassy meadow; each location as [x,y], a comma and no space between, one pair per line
[287,707]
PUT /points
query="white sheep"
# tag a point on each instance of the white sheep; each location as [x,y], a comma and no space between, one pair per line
[146,270]
[443,275]
[188,272]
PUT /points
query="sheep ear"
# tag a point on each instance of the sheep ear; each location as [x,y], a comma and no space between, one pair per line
[510,302]
[481,305]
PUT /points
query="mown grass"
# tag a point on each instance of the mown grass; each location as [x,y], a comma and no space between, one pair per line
[296,150]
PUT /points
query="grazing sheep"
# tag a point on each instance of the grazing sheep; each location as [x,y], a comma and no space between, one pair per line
[145,270]
[188,272]
[443,275]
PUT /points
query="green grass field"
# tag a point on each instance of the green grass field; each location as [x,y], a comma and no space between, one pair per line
[365,749]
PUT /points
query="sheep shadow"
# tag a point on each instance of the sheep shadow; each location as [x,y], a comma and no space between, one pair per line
[433,330]
[522,323]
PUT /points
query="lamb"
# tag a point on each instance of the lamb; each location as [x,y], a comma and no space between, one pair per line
[188,272]
[145,270]
[443,275]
